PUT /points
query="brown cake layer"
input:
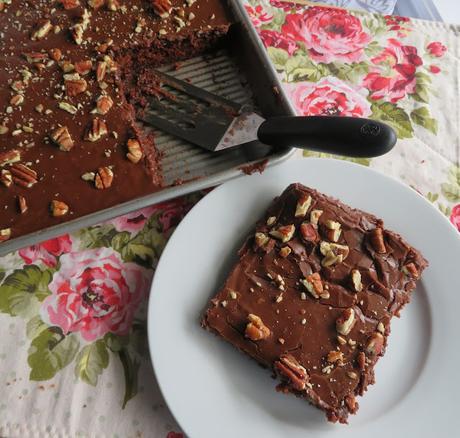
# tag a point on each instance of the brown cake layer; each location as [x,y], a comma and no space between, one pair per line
[313,294]
[63,107]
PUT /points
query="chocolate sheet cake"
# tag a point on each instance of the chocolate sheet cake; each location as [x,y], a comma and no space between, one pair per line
[73,75]
[312,296]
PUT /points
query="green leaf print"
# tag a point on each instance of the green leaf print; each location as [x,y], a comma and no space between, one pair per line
[278,56]
[373,49]
[422,87]
[421,116]
[97,237]
[120,240]
[91,361]
[444,209]
[116,343]
[451,192]
[349,72]
[131,370]
[432,197]
[50,352]
[23,289]
[35,326]
[454,175]
[144,248]
[299,68]
[394,116]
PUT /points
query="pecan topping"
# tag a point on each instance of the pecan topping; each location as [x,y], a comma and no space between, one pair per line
[97,130]
[309,233]
[6,178]
[113,5]
[101,70]
[55,54]
[83,67]
[34,57]
[335,356]
[103,178]
[361,360]
[66,106]
[70,4]
[9,157]
[314,217]
[350,399]
[23,175]
[22,204]
[103,104]
[356,280]
[411,270]
[271,221]
[62,138]
[135,153]
[334,229]
[303,204]
[5,234]
[333,253]
[285,251]
[283,233]
[96,4]
[313,284]
[17,99]
[374,345]
[162,8]
[346,321]
[256,330]
[75,86]
[377,242]
[261,239]
[58,208]
[42,30]
[289,368]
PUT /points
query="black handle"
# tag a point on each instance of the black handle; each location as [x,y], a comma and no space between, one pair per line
[351,136]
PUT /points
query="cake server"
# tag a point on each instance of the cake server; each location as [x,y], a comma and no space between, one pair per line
[215,123]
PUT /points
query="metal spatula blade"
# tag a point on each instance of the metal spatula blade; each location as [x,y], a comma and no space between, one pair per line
[215,123]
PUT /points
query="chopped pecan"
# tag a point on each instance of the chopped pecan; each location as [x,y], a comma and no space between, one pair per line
[9,157]
[62,138]
[101,71]
[22,204]
[83,67]
[6,178]
[17,99]
[303,204]
[271,221]
[309,233]
[333,231]
[335,356]
[97,130]
[377,242]
[103,105]
[162,8]
[285,251]
[5,234]
[113,5]
[356,280]
[283,233]
[34,57]
[350,400]
[103,178]
[289,367]
[58,208]
[314,216]
[411,270]
[313,284]
[70,4]
[55,54]
[42,30]
[135,153]
[374,344]
[256,330]
[346,321]
[23,175]
[361,360]
[96,4]
[74,87]
[333,253]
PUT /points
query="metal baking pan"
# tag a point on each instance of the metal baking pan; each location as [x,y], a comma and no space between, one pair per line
[241,72]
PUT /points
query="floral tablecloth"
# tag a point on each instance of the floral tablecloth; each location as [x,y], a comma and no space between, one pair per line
[73,353]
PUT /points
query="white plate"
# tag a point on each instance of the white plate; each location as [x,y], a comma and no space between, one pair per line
[215,391]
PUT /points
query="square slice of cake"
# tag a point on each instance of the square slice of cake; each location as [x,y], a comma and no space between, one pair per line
[312,296]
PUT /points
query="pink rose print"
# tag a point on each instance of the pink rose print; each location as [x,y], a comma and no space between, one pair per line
[94,293]
[455,216]
[258,15]
[329,96]
[175,435]
[271,38]
[135,221]
[398,24]
[286,6]
[436,49]
[400,81]
[329,34]
[172,212]
[47,252]
[434,69]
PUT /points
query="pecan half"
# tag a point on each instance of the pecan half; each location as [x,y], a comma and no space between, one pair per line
[22,204]
[9,157]
[303,204]
[97,130]
[256,330]
[289,368]
[6,178]
[346,321]
[23,175]
[374,344]
[162,8]
[58,208]
[103,178]
[74,87]
[377,242]
[104,104]
[135,153]
[5,234]
[62,138]
[283,233]
[83,67]
[308,232]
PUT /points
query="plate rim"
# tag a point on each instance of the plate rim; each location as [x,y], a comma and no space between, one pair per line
[455,237]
